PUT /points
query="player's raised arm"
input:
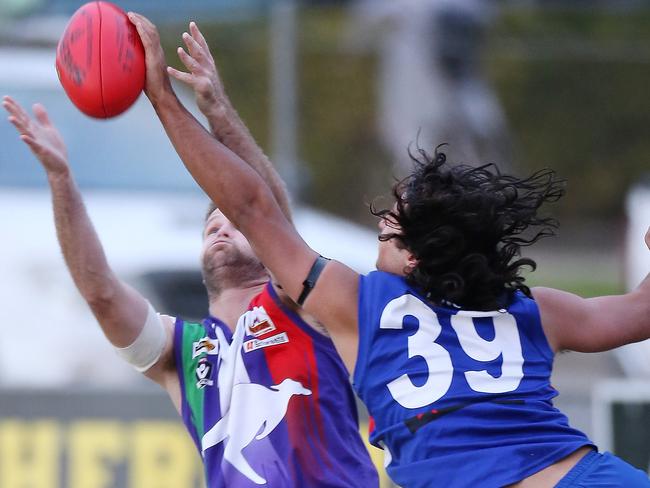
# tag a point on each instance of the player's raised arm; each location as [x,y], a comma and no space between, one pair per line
[595,324]
[243,196]
[121,311]
[226,125]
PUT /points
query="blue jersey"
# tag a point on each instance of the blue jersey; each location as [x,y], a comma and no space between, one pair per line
[270,404]
[458,398]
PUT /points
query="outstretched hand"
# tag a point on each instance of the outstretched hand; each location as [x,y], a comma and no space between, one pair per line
[202,75]
[40,135]
[157,81]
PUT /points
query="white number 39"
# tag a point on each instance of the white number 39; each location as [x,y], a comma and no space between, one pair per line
[506,343]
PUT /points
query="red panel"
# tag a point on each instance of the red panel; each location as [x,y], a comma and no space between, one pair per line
[298,361]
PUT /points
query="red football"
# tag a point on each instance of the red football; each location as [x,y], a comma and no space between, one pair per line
[100,60]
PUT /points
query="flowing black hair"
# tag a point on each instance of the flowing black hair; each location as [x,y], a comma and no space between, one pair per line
[466,226]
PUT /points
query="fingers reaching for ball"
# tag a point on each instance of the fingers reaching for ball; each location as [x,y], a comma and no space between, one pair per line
[202,75]
[157,80]
[41,115]
[144,23]
[19,118]
[17,115]
[197,35]
[40,135]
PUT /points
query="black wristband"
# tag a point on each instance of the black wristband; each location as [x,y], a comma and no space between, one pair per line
[312,277]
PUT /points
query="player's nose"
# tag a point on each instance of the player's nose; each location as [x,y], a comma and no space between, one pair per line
[225,230]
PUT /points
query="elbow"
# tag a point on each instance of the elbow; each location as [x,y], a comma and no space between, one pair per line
[101,297]
[258,204]
[100,301]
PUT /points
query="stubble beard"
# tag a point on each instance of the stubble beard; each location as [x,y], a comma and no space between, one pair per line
[233,269]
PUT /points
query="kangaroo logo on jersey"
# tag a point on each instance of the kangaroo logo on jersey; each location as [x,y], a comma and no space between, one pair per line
[205,345]
[258,322]
[262,410]
[204,374]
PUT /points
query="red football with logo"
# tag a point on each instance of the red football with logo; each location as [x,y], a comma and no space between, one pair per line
[100,60]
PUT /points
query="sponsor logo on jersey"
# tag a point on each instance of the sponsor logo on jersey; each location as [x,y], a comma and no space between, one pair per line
[205,345]
[254,344]
[260,324]
[204,374]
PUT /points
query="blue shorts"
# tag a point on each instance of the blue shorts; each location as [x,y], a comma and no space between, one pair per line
[603,470]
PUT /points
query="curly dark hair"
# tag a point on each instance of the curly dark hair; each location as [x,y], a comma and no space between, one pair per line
[466,226]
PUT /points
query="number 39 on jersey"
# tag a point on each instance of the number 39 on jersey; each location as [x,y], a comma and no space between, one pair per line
[506,343]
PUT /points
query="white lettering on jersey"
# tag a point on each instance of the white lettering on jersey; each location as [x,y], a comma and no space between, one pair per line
[506,343]
[419,344]
[254,344]
[257,408]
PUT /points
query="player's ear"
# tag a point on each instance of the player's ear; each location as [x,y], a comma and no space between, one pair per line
[411,262]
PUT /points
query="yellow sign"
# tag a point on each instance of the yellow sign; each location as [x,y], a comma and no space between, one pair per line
[89,454]
[105,454]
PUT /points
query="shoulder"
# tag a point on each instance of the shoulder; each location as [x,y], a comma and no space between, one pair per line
[559,311]
[520,302]
[283,308]
[185,327]
[382,279]
[379,286]
[553,303]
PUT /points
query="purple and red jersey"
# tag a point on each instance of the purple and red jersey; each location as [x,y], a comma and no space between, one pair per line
[270,404]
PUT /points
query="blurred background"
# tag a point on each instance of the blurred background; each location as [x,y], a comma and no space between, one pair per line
[335,92]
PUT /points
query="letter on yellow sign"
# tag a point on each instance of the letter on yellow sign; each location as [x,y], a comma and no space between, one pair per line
[29,454]
[163,456]
[95,449]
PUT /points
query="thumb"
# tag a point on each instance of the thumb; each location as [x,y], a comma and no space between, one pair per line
[41,114]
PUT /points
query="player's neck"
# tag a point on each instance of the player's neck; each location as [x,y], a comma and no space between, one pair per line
[231,303]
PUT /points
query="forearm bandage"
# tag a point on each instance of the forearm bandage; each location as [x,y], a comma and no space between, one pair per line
[148,346]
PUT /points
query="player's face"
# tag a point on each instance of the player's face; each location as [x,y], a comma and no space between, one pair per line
[393,257]
[223,244]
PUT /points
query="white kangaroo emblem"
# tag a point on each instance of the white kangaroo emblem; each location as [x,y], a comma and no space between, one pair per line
[256,406]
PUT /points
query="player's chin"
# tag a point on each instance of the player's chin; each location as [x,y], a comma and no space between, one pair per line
[382,257]
[214,253]
[221,252]
[385,264]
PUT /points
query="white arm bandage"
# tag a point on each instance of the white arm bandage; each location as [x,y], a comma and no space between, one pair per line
[148,346]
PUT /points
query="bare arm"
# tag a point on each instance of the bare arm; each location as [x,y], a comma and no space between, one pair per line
[247,201]
[119,309]
[595,324]
[225,123]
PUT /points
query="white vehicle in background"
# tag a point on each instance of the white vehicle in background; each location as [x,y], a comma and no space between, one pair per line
[635,358]
[148,213]
[146,208]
